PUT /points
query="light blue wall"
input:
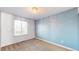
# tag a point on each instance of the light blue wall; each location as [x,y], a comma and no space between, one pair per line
[61,28]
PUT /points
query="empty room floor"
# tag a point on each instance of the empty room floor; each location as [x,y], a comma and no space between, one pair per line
[33,45]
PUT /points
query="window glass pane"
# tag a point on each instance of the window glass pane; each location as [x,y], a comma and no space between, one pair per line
[20,27]
[24,27]
[17,27]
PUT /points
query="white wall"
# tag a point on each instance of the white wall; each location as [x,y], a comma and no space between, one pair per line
[7,36]
[78,9]
[0,31]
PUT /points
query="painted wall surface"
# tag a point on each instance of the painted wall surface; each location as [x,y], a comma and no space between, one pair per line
[61,28]
[0,31]
[7,32]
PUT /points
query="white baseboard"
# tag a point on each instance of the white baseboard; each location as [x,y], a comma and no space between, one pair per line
[57,44]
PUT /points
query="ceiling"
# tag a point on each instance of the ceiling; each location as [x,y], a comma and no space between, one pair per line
[27,11]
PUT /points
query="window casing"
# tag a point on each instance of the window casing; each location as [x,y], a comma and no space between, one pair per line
[20,27]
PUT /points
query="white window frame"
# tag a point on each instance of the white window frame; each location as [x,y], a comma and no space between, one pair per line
[21,32]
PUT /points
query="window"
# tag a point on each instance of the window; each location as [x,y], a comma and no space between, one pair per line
[20,27]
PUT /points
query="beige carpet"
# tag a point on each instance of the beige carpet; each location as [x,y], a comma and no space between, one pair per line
[33,45]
